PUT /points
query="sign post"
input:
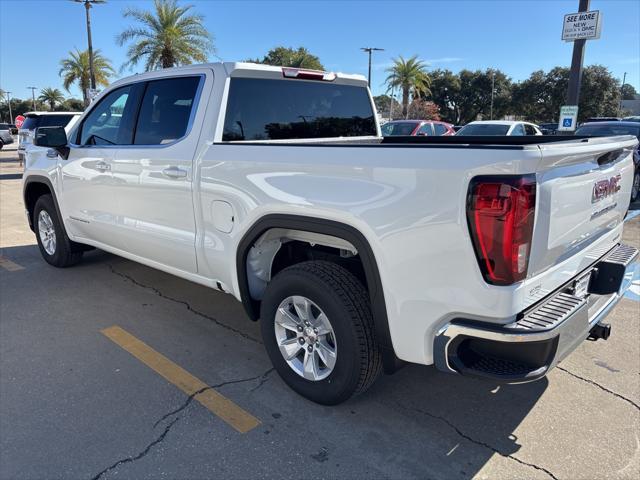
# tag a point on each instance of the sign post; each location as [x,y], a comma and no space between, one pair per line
[578,28]
[568,118]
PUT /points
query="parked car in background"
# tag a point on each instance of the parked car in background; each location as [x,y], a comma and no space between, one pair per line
[34,120]
[428,128]
[616,128]
[549,128]
[5,135]
[499,128]
[635,118]
[457,127]
[601,119]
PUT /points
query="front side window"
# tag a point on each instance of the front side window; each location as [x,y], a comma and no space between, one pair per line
[265,109]
[109,122]
[398,129]
[166,110]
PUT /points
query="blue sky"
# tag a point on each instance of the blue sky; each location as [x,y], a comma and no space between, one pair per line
[516,36]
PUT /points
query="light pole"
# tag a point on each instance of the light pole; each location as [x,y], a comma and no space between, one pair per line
[369,50]
[8,94]
[624,79]
[33,97]
[493,89]
[87,6]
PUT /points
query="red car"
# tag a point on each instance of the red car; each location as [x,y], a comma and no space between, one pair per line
[416,127]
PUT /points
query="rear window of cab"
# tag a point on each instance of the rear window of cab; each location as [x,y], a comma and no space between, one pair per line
[33,122]
[265,109]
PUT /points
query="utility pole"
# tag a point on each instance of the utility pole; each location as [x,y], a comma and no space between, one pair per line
[493,89]
[624,79]
[87,6]
[369,50]
[391,106]
[33,97]
[575,76]
[8,94]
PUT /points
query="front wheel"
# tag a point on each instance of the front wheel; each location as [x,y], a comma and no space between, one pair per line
[55,246]
[318,330]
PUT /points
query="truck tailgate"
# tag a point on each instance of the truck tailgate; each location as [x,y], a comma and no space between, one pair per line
[583,195]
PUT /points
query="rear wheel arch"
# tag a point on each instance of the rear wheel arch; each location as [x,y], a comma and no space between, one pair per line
[329,228]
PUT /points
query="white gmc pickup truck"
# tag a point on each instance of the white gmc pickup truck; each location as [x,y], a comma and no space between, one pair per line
[486,256]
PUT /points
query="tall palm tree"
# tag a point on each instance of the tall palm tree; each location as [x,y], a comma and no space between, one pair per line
[411,77]
[167,37]
[51,96]
[75,69]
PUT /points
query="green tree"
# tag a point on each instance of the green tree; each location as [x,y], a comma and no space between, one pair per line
[628,92]
[51,96]
[384,106]
[72,105]
[411,77]
[75,69]
[290,57]
[540,97]
[475,94]
[445,93]
[167,37]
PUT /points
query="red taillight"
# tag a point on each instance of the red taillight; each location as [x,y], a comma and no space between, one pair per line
[288,72]
[500,212]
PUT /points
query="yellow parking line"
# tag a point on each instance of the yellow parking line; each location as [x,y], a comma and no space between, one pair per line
[9,265]
[217,403]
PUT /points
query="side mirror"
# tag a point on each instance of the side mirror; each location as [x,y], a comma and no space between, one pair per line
[52,137]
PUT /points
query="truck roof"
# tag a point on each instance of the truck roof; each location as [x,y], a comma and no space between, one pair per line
[245,69]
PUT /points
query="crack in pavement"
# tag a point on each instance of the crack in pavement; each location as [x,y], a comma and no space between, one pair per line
[139,455]
[621,397]
[182,302]
[477,442]
[161,437]
[263,378]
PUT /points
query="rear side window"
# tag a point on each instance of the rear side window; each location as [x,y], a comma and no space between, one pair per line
[166,110]
[393,129]
[426,130]
[31,123]
[109,123]
[530,130]
[264,109]
[440,129]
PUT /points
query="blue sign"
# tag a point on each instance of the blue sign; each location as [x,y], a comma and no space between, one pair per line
[566,122]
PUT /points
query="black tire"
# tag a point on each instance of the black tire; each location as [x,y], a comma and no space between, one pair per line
[341,296]
[1,144]
[634,186]
[64,254]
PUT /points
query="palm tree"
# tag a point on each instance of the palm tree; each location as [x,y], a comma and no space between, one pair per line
[167,37]
[51,96]
[75,69]
[411,77]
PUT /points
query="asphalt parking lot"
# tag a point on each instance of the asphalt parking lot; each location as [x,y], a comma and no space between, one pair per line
[114,370]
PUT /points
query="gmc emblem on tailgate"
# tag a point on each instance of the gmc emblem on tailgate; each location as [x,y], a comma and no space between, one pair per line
[604,188]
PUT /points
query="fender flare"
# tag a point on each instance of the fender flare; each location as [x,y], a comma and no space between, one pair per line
[335,229]
[44,180]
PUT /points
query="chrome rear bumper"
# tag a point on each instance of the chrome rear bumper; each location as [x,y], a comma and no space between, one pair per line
[543,335]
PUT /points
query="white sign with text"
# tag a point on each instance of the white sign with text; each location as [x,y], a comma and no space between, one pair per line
[582,26]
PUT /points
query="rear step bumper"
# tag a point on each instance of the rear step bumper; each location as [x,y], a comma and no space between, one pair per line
[544,334]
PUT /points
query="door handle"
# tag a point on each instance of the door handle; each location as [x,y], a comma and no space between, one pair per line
[174,172]
[103,166]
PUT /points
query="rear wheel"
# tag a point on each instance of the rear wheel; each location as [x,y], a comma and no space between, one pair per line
[318,330]
[55,246]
